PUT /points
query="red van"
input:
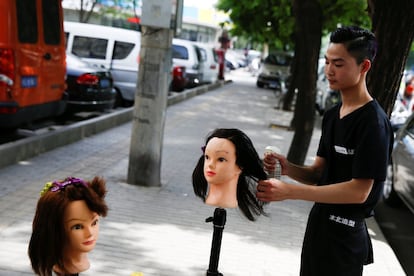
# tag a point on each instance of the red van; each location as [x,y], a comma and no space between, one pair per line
[32,61]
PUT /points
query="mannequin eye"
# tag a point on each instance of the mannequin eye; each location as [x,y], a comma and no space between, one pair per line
[76,227]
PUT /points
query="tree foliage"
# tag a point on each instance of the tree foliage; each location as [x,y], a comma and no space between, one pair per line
[272,21]
[260,21]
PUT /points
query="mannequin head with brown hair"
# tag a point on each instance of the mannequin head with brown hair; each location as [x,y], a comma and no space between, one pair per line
[227,172]
[66,225]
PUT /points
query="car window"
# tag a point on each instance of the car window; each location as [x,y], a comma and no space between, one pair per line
[180,52]
[201,54]
[215,55]
[89,47]
[410,126]
[122,49]
[282,60]
[66,39]
[51,20]
[26,21]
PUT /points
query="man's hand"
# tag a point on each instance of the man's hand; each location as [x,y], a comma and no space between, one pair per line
[272,190]
[269,162]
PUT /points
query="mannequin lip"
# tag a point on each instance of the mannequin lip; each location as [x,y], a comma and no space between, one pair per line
[210,173]
[89,242]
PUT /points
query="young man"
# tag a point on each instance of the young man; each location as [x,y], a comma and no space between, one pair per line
[346,178]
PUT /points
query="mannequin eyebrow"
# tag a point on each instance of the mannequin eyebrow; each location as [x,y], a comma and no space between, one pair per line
[225,151]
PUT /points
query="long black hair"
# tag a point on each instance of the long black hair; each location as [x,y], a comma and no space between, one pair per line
[251,165]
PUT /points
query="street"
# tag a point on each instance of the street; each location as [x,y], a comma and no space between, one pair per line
[162,230]
[397,224]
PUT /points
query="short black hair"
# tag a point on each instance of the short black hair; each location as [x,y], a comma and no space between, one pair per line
[359,42]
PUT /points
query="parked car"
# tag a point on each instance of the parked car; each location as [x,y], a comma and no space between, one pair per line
[89,88]
[399,186]
[179,79]
[208,63]
[325,96]
[185,53]
[400,113]
[115,49]
[274,70]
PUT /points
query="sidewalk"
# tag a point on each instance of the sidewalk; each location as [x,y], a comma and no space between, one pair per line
[161,231]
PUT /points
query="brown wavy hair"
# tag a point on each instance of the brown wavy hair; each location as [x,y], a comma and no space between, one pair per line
[48,232]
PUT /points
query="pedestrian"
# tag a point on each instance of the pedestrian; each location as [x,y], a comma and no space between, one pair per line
[66,226]
[407,98]
[345,181]
[227,172]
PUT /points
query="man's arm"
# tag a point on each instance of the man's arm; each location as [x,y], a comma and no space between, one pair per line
[306,174]
[354,191]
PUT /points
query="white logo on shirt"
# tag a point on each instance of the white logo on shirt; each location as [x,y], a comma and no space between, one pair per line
[345,151]
[344,221]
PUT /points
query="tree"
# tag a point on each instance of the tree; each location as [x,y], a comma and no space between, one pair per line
[86,9]
[393,26]
[307,34]
[271,22]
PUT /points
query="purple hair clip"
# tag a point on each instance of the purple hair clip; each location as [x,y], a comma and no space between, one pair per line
[203,149]
[60,185]
[68,181]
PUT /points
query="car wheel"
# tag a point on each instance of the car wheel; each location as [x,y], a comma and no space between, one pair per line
[260,84]
[389,195]
[119,101]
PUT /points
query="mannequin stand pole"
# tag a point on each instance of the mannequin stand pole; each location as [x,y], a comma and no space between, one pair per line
[219,220]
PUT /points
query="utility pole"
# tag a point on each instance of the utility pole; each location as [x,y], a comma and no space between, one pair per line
[152,93]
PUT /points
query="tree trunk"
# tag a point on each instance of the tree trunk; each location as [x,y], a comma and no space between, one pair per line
[145,154]
[290,94]
[308,33]
[393,25]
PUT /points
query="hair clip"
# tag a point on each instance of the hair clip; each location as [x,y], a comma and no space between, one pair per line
[203,149]
[60,185]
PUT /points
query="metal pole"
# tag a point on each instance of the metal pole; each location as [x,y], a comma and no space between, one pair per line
[219,220]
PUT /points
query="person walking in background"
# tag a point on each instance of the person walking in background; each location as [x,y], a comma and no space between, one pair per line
[346,179]
[66,226]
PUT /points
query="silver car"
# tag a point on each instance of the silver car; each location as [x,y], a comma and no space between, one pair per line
[399,186]
[274,71]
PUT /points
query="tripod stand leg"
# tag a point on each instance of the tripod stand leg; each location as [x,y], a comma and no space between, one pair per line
[219,220]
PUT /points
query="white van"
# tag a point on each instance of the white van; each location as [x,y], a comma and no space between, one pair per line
[114,48]
[185,53]
[208,62]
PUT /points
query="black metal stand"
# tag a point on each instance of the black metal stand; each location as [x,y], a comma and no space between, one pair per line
[219,220]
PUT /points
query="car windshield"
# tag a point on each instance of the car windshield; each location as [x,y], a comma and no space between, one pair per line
[275,59]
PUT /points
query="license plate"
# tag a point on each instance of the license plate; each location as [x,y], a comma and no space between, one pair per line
[28,81]
[104,83]
[273,84]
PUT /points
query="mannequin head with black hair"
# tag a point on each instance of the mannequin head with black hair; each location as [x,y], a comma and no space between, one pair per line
[227,172]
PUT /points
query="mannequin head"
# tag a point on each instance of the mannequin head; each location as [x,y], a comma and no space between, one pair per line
[66,225]
[226,174]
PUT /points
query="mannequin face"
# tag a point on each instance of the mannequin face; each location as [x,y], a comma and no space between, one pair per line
[220,162]
[82,227]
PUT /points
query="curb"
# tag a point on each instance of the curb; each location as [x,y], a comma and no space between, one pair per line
[20,150]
